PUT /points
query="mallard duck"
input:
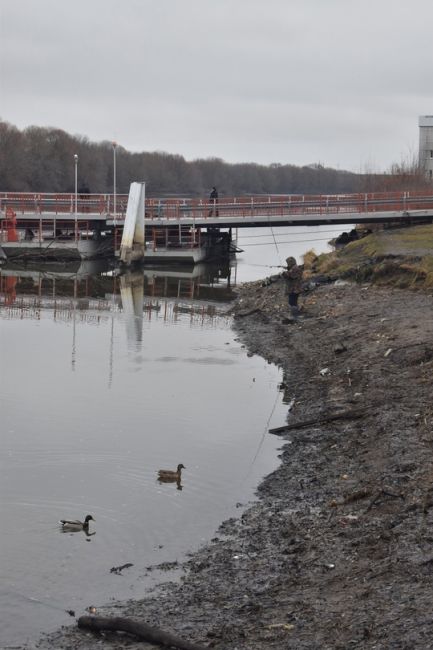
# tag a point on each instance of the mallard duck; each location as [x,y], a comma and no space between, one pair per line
[75,525]
[171,475]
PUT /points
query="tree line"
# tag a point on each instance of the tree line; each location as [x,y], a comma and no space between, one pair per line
[41,159]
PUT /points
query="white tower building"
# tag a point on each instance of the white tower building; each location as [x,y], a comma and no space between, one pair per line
[426,144]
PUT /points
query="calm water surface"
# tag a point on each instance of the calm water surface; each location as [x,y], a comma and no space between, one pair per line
[103,381]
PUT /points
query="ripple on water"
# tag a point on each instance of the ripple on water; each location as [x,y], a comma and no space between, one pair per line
[97,447]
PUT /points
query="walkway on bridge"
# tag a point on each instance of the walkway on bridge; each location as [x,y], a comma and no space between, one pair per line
[245,211]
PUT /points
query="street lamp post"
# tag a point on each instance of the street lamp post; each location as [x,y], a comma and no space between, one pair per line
[114,182]
[76,190]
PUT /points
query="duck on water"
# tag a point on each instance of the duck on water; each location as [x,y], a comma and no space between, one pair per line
[74,525]
[170,475]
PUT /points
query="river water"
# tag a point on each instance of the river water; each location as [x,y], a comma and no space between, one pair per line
[103,381]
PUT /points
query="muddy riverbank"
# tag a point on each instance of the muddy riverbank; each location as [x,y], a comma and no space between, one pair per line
[337,550]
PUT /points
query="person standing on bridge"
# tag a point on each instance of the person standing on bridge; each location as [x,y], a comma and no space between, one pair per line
[213,199]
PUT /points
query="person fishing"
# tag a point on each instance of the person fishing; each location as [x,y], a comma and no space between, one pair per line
[293,279]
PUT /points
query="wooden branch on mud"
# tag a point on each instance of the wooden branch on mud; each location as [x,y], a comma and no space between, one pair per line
[379,495]
[363,493]
[250,312]
[141,630]
[351,414]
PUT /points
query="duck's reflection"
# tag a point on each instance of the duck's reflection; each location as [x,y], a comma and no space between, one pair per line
[83,530]
[165,479]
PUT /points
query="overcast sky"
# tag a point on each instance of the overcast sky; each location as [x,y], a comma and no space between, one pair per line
[340,82]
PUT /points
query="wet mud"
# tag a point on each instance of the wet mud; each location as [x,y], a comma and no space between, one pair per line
[337,550]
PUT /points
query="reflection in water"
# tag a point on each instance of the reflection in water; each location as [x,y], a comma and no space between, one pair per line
[199,282]
[61,288]
[177,480]
[74,340]
[78,530]
[90,293]
[180,389]
[131,291]
[92,287]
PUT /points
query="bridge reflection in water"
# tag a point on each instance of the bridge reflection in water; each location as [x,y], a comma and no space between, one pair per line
[90,293]
[92,290]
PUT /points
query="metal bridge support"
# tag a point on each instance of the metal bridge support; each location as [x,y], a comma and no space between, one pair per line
[132,244]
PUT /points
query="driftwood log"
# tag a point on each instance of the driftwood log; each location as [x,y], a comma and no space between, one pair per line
[136,628]
[250,312]
[321,419]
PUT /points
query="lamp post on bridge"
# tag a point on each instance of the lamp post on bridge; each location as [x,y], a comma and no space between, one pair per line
[76,191]
[114,182]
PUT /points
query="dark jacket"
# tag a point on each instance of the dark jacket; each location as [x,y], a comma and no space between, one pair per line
[293,279]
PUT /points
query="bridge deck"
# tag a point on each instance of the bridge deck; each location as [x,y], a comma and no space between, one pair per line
[235,212]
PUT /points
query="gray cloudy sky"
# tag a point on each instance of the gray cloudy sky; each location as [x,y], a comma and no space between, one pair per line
[341,82]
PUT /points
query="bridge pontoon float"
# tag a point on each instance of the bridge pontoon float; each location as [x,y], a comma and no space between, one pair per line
[52,237]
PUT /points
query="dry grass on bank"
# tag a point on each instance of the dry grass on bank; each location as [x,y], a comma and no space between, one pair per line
[401,258]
